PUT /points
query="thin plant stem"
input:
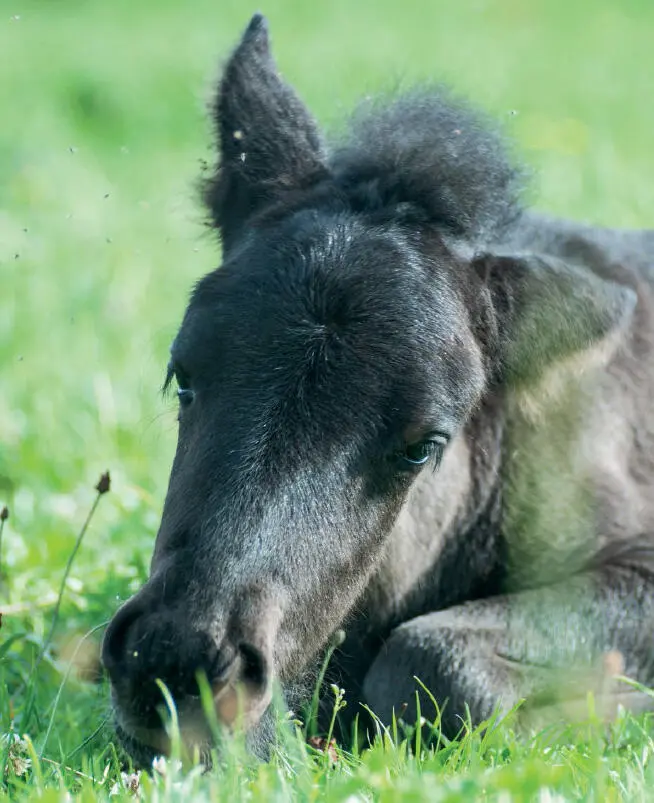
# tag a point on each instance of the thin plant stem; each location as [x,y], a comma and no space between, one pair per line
[312,721]
[71,664]
[64,579]
[61,767]
[88,739]
[102,487]
[338,705]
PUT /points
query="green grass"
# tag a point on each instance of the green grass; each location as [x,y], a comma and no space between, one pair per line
[100,240]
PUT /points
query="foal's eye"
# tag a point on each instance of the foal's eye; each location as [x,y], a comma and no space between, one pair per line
[184,392]
[420,453]
[185,396]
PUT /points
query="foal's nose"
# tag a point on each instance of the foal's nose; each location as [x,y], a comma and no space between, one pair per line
[142,645]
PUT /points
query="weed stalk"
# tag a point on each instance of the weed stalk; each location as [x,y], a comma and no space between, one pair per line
[102,487]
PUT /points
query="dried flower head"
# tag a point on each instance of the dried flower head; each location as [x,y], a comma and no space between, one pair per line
[104,483]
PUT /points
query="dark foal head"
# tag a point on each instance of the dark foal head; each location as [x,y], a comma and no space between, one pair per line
[344,342]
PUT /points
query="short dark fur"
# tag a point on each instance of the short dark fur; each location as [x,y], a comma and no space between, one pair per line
[381,301]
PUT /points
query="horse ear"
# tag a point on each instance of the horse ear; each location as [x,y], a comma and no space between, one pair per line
[268,142]
[547,309]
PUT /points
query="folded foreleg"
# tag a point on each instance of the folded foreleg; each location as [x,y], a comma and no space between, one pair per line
[550,645]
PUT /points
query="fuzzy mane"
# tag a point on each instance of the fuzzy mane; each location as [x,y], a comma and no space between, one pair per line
[431,150]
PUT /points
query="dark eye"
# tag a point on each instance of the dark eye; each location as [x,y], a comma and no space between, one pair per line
[185,396]
[421,452]
[184,392]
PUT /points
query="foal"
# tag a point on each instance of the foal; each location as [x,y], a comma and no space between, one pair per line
[409,408]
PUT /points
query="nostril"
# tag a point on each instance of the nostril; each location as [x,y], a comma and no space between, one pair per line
[254,667]
[117,633]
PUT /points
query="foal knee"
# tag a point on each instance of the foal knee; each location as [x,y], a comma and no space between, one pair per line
[390,685]
[454,660]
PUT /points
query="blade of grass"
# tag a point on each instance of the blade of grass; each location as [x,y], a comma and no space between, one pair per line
[69,669]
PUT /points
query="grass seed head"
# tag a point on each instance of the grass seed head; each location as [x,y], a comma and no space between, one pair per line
[104,483]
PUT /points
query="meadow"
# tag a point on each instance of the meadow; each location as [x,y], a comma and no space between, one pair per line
[103,128]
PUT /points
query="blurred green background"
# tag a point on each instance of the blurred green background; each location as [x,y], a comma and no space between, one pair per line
[102,128]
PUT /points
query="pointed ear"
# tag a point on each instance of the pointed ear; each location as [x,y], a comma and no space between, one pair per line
[268,142]
[547,309]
